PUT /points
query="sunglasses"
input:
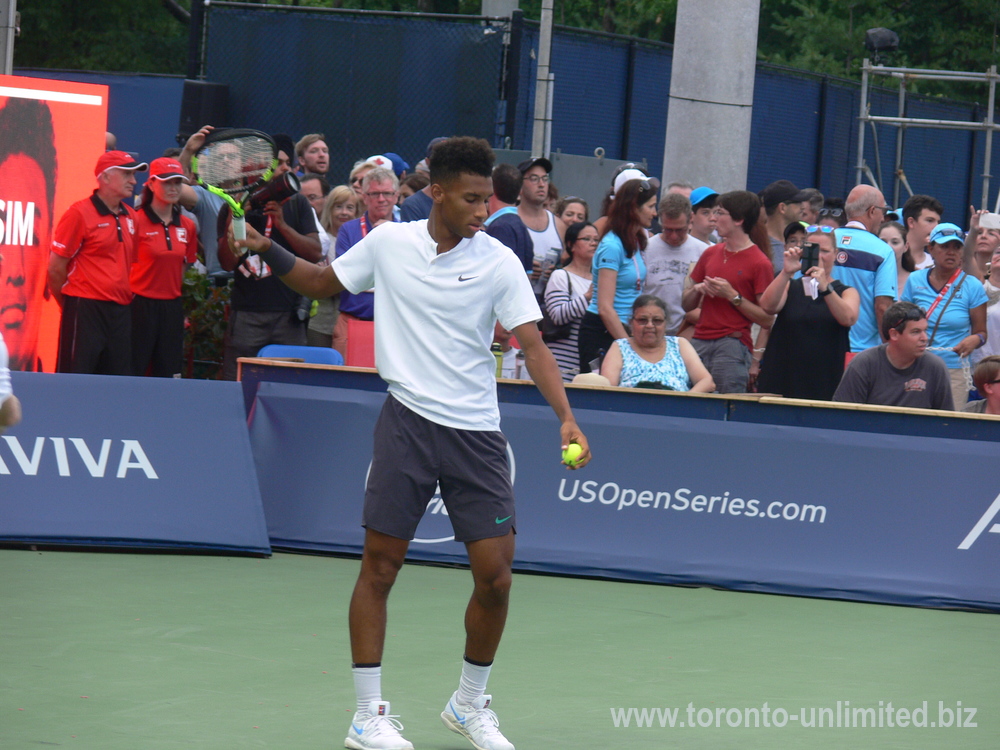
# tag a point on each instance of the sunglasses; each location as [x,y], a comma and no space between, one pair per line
[948,233]
[818,228]
[834,212]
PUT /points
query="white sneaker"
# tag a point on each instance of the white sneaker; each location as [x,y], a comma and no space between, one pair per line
[476,722]
[376,729]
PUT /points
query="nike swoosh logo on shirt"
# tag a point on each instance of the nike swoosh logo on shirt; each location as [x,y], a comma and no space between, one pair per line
[501,520]
[467,278]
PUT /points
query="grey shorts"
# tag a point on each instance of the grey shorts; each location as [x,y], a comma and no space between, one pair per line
[728,361]
[412,455]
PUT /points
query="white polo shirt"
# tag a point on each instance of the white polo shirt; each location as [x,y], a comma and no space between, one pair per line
[5,388]
[434,317]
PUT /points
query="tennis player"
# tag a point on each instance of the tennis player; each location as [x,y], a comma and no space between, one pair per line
[10,407]
[442,284]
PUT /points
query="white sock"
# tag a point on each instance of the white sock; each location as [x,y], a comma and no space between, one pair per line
[367,686]
[473,682]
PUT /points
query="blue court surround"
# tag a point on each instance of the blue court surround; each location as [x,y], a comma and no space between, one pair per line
[744,493]
[109,461]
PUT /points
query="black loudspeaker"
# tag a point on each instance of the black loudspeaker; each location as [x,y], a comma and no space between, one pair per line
[202,103]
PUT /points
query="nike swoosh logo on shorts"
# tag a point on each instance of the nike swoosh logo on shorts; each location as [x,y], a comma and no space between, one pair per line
[501,520]
[467,278]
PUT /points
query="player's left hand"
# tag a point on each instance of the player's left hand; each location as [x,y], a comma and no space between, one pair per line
[571,433]
[255,241]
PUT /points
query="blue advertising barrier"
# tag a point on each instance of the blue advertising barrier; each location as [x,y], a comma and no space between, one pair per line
[790,507]
[130,462]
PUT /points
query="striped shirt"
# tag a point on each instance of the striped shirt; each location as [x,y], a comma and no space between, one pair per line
[565,302]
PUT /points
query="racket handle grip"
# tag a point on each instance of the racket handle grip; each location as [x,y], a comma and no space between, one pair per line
[239,227]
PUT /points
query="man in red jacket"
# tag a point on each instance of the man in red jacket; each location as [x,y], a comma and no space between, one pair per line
[89,266]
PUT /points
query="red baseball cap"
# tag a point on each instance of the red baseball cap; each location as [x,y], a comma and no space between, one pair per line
[118,160]
[165,168]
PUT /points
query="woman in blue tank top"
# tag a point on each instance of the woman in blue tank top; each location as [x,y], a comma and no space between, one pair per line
[648,356]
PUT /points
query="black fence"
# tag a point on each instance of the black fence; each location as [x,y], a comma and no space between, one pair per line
[370,83]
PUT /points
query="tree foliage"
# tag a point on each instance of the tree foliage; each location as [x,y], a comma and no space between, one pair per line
[110,35]
[825,36]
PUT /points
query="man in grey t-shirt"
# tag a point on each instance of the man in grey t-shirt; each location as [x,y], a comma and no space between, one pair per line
[670,256]
[899,372]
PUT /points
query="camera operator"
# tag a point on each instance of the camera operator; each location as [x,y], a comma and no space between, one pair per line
[262,309]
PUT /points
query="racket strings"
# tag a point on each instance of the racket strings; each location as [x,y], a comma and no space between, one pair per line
[234,165]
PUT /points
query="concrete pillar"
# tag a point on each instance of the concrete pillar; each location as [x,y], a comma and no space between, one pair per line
[543,82]
[711,93]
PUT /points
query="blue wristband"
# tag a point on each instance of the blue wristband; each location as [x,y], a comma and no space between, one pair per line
[279,259]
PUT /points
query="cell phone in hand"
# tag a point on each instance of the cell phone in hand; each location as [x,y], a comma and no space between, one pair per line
[810,256]
[989,221]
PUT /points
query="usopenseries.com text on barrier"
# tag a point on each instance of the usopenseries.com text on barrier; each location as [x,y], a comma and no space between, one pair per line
[611,493]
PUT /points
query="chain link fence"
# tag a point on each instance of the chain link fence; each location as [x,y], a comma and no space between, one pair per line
[370,82]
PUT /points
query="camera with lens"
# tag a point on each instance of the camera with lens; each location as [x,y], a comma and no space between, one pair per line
[278,189]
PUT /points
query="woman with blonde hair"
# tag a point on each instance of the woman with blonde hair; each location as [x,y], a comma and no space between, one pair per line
[340,206]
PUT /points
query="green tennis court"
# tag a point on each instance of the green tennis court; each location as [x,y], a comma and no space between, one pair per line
[144,651]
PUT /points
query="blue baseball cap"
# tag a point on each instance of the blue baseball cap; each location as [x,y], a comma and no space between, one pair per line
[945,232]
[398,165]
[700,194]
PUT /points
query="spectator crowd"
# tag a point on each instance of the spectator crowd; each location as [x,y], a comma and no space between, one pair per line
[783,291]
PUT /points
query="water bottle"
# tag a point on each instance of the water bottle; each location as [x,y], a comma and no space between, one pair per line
[498,353]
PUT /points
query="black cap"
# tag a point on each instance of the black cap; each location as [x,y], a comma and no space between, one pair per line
[782,191]
[283,142]
[535,161]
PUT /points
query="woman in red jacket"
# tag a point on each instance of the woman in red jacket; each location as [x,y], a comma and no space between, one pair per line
[166,241]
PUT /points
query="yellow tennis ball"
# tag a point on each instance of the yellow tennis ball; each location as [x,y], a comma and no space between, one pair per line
[571,454]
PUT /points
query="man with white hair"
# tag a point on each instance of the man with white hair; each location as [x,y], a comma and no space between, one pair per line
[89,268]
[380,188]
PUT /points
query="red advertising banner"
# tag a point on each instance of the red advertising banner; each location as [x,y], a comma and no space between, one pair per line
[51,134]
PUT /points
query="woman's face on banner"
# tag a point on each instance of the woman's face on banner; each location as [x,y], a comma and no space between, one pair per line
[25,220]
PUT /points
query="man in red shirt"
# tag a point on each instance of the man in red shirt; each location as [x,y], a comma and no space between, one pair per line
[92,254]
[728,280]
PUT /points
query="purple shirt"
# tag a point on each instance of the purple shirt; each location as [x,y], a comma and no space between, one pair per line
[359,305]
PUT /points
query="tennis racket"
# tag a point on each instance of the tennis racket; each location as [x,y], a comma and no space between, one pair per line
[231,163]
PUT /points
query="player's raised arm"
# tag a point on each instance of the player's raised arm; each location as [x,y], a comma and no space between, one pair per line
[308,279]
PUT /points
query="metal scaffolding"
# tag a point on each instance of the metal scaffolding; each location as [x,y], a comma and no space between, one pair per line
[901,122]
